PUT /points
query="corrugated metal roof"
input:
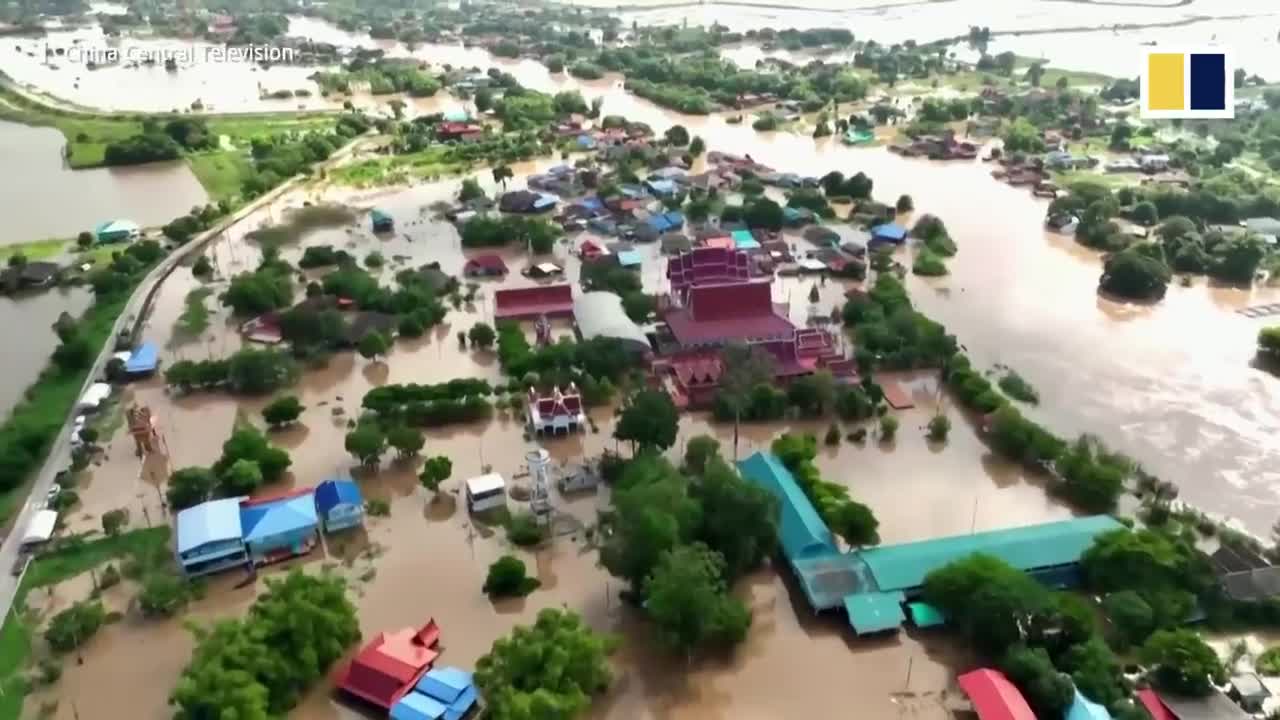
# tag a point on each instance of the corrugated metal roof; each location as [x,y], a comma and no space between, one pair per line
[213,521]
[277,518]
[874,612]
[600,314]
[331,493]
[416,706]
[924,615]
[904,566]
[144,359]
[445,684]
[801,531]
[994,697]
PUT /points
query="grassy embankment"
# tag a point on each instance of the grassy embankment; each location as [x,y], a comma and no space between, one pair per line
[427,164]
[45,404]
[55,567]
[219,171]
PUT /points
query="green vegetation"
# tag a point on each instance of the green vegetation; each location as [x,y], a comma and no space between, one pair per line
[282,411]
[222,173]
[558,662]
[1016,387]
[648,421]
[71,558]
[846,517]
[195,314]
[508,578]
[249,371]
[1269,342]
[292,634]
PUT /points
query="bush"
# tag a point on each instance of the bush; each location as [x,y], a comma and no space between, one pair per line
[377,507]
[114,520]
[163,594]
[110,577]
[1016,387]
[833,435]
[49,671]
[928,264]
[905,204]
[73,627]
[939,428]
[523,530]
[888,427]
[508,578]
[282,411]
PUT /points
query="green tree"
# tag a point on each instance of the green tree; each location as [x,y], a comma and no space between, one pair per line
[257,372]
[743,368]
[1134,274]
[435,471]
[407,441]
[190,486]
[549,670]
[470,190]
[939,427]
[987,600]
[508,578]
[763,213]
[203,691]
[854,522]
[652,512]
[481,336]
[242,478]
[84,240]
[1125,559]
[739,518]
[1269,341]
[1096,671]
[367,443]
[677,135]
[1182,663]
[1034,74]
[888,427]
[699,451]
[1145,213]
[163,594]
[697,146]
[905,204]
[649,421]
[1048,692]
[113,521]
[282,411]
[71,628]
[687,599]
[373,345]
[248,443]
[1132,619]
[501,174]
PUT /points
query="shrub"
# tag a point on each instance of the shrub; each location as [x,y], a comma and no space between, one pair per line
[73,627]
[523,530]
[888,427]
[508,578]
[377,507]
[114,520]
[110,577]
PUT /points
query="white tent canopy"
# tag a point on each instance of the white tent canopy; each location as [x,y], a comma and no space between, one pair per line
[94,396]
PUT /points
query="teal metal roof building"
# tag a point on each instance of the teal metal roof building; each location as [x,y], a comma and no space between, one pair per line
[1034,548]
[872,584]
[1082,708]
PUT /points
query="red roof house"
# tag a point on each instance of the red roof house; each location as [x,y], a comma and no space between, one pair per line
[1154,705]
[590,250]
[557,412]
[532,302]
[389,666]
[447,130]
[994,697]
[485,265]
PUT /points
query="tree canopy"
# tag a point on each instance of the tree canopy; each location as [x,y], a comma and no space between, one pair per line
[649,421]
[549,670]
[687,599]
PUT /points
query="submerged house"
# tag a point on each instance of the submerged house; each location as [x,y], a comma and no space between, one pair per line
[391,664]
[526,202]
[143,361]
[444,693]
[381,221]
[888,233]
[993,696]
[339,504]
[559,412]
[279,527]
[209,538]
[486,265]
[114,231]
[533,302]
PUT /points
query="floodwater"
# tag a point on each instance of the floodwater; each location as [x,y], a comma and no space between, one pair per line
[31,318]
[428,560]
[47,199]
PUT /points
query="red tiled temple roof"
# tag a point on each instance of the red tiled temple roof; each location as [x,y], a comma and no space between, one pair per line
[531,302]
[726,312]
[994,697]
[567,403]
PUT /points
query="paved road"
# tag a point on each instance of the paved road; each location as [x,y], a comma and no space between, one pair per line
[135,310]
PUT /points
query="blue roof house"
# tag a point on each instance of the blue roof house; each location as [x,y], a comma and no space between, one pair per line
[209,537]
[278,528]
[451,687]
[455,116]
[744,240]
[143,361]
[662,188]
[381,221]
[629,258]
[339,504]
[1082,708]
[891,233]
[416,706]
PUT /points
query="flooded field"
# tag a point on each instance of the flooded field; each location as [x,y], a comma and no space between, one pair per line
[43,198]
[31,318]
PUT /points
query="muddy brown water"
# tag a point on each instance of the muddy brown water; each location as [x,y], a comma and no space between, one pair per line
[47,199]
[31,317]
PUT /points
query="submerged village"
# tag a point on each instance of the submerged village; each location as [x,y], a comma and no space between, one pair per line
[545,362]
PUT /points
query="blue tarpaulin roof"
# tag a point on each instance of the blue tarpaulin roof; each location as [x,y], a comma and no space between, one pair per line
[659,223]
[744,240]
[675,218]
[892,232]
[874,612]
[545,201]
[278,517]
[1082,708]
[630,258]
[591,203]
[213,521]
[416,706]
[144,359]
[341,491]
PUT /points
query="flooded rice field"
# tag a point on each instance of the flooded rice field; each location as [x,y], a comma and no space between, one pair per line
[43,198]
[31,318]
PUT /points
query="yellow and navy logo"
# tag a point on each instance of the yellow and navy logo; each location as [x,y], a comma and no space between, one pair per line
[1189,84]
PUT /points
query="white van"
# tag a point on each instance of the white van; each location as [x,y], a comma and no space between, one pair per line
[486,492]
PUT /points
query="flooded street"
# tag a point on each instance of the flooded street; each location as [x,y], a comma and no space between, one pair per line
[47,199]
